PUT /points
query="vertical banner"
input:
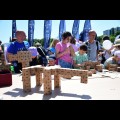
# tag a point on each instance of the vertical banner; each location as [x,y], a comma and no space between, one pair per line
[47,32]
[75,29]
[14,29]
[31,24]
[86,29]
[62,28]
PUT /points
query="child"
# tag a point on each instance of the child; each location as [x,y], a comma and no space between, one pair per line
[113,60]
[80,57]
[52,61]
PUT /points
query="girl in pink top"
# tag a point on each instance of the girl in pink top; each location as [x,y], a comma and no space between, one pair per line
[63,51]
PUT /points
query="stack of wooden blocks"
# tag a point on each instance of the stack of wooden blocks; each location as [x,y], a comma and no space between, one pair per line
[114,67]
[92,66]
[47,72]
[23,57]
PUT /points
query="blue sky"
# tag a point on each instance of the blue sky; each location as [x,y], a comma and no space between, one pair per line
[98,25]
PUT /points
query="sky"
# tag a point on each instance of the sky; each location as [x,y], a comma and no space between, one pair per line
[98,25]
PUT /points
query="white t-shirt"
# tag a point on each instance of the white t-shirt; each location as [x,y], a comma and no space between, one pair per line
[107,55]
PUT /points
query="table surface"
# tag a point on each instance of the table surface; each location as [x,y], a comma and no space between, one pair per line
[100,86]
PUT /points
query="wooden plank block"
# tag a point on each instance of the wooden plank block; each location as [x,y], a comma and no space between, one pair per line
[24,56]
[39,79]
[47,81]
[26,80]
[57,81]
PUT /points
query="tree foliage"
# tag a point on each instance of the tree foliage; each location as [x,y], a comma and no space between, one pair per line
[41,41]
[112,37]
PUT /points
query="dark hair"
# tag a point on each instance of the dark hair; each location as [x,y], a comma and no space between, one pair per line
[83,47]
[66,34]
[73,41]
[106,37]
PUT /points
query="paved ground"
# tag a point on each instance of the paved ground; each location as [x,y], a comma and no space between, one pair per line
[99,87]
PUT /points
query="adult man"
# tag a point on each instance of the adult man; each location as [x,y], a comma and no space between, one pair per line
[93,46]
[19,45]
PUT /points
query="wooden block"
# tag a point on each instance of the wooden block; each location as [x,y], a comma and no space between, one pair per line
[12,58]
[88,63]
[57,82]
[32,70]
[112,69]
[93,71]
[89,73]
[25,64]
[47,81]
[53,71]
[66,76]
[114,66]
[40,69]
[79,72]
[118,69]
[99,68]
[84,78]
[24,56]
[87,67]
[60,71]
[39,79]
[26,79]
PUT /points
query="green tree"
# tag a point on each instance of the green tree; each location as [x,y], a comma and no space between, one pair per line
[117,33]
[37,41]
[112,38]
[41,41]
[99,38]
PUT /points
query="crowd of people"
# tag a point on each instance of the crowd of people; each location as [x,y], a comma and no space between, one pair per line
[67,53]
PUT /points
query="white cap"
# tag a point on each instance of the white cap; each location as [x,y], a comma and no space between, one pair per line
[33,50]
[117,53]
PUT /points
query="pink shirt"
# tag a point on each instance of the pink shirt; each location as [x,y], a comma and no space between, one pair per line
[61,47]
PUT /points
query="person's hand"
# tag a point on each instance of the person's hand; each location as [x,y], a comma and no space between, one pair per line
[67,50]
[83,64]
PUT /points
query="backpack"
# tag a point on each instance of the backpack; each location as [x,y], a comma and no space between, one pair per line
[86,43]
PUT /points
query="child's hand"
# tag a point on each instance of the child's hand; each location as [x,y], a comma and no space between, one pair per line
[67,50]
[83,64]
